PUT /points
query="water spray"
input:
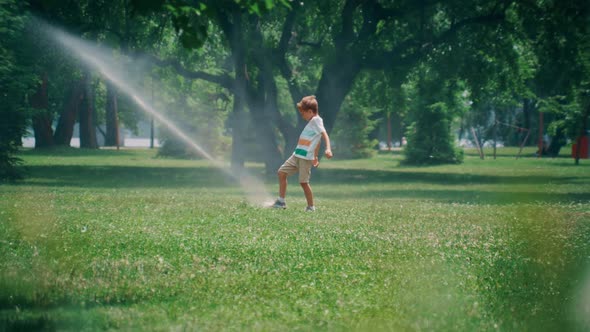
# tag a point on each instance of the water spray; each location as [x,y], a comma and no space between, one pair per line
[103,62]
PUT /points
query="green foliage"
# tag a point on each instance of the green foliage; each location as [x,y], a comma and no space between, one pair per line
[561,44]
[574,108]
[570,114]
[190,26]
[356,123]
[16,80]
[11,131]
[571,110]
[191,19]
[199,109]
[430,140]
[435,103]
[497,52]
[351,132]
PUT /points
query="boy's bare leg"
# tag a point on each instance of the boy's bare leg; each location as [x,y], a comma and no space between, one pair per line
[282,184]
[308,193]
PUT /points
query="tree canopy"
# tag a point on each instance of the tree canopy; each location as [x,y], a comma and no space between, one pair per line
[436,67]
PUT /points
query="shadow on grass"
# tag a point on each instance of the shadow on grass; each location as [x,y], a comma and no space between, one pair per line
[42,323]
[184,177]
[126,177]
[356,176]
[66,151]
[464,196]
[211,177]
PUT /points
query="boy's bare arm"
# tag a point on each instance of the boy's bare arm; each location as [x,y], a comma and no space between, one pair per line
[316,152]
[328,151]
[316,161]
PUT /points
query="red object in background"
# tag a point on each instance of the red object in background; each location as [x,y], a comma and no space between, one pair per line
[583,141]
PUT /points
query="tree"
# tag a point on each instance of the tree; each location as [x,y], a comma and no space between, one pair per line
[363,109]
[107,22]
[53,67]
[434,103]
[561,43]
[201,110]
[353,37]
[69,115]
[397,38]
[251,83]
[16,84]
[268,50]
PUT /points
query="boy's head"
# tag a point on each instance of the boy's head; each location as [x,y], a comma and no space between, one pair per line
[308,103]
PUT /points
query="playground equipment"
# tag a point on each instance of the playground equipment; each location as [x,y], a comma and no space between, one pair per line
[519,129]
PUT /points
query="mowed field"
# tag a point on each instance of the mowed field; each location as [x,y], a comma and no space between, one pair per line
[122,240]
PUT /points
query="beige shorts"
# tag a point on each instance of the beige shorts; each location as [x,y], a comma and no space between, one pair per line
[294,164]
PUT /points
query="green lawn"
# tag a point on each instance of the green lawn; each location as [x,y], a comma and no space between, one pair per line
[107,240]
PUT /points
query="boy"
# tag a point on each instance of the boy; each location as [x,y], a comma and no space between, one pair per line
[306,153]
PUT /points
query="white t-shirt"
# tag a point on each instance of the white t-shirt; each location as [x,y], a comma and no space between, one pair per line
[310,138]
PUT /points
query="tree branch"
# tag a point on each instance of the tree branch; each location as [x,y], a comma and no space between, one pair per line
[410,50]
[287,32]
[224,80]
[479,20]
[316,45]
[280,60]
[280,56]
[346,34]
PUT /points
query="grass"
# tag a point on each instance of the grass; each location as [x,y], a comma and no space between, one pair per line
[120,240]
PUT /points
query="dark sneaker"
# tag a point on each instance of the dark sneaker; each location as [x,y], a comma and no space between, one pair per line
[310,209]
[279,205]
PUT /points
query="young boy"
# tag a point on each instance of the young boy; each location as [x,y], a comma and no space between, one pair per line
[306,153]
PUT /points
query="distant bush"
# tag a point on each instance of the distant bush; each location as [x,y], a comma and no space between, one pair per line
[351,134]
[11,132]
[430,140]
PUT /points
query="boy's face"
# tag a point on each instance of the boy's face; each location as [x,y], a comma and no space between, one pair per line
[306,114]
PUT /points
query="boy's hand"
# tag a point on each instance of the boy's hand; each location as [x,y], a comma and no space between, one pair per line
[328,153]
[316,161]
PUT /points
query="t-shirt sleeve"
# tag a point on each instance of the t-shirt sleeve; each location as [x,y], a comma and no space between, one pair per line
[318,125]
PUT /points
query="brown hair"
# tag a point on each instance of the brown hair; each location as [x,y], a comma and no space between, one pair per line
[308,103]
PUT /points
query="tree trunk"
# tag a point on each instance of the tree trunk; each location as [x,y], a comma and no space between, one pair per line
[266,137]
[238,154]
[43,130]
[335,83]
[42,119]
[112,118]
[238,123]
[557,142]
[527,109]
[87,128]
[263,109]
[263,103]
[231,24]
[67,120]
